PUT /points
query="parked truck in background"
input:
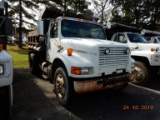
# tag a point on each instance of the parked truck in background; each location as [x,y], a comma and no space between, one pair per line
[151,36]
[146,55]
[76,55]
[6,65]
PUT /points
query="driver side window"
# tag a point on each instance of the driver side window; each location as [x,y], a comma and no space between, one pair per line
[54,30]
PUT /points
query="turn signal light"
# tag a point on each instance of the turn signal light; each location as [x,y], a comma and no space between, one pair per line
[1,47]
[76,70]
[69,51]
[153,49]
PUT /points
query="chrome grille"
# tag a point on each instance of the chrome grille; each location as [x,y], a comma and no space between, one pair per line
[116,56]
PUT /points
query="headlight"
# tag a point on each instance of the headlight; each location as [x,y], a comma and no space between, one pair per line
[1,69]
[132,66]
[81,71]
[156,58]
[84,70]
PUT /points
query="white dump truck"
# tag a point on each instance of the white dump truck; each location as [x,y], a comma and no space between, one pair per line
[6,65]
[146,55]
[76,55]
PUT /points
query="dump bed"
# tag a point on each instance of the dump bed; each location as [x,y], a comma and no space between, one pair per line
[113,27]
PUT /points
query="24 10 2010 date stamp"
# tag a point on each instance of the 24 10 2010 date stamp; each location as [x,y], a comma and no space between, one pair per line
[138,107]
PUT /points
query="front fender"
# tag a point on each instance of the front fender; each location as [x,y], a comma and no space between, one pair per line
[76,61]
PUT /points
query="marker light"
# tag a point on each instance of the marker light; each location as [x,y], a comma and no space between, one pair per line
[154,49]
[69,51]
[76,70]
[1,47]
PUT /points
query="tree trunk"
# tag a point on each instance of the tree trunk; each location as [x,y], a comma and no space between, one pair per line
[65,5]
[20,24]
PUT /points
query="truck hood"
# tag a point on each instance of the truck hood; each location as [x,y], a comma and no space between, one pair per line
[79,43]
[147,46]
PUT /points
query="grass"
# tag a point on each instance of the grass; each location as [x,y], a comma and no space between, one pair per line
[20,56]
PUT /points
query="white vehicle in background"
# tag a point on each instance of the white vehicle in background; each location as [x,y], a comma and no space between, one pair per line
[146,55]
[6,66]
[152,39]
[151,36]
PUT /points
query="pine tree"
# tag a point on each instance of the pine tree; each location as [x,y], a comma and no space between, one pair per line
[24,12]
[140,13]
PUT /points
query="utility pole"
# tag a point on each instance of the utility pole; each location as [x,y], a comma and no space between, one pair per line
[20,24]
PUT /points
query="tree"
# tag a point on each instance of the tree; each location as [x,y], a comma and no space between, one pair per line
[24,11]
[140,13]
[102,8]
[73,6]
[154,23]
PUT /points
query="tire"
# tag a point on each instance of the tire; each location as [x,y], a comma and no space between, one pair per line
[6,103]
[34,64]
[119,88]
[141,73]
[63,87]
[9,102]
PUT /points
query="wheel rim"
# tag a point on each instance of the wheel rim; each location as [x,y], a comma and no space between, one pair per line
[139,74]
[60,86]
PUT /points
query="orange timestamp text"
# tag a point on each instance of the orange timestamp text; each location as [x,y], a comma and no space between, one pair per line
[138,107]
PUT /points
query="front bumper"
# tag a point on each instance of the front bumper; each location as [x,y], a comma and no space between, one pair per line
[83,86]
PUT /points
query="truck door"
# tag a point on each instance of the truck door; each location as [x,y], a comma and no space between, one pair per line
[52,42]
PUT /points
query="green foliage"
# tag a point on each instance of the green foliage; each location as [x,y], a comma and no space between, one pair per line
[73,6]
[31,7]
[102,9]
[140,13]
[27,7]
[20,56]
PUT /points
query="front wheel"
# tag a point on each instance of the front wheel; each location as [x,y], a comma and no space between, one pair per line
[141,73]
[6,102]
[63,86]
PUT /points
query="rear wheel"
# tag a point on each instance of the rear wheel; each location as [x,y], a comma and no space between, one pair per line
[63,86]
[141,73]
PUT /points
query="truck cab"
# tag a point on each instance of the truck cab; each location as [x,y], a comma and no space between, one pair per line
[76,55]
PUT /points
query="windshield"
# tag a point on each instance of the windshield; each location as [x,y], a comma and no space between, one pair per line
[136,38]
[72,28]
[158,39]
